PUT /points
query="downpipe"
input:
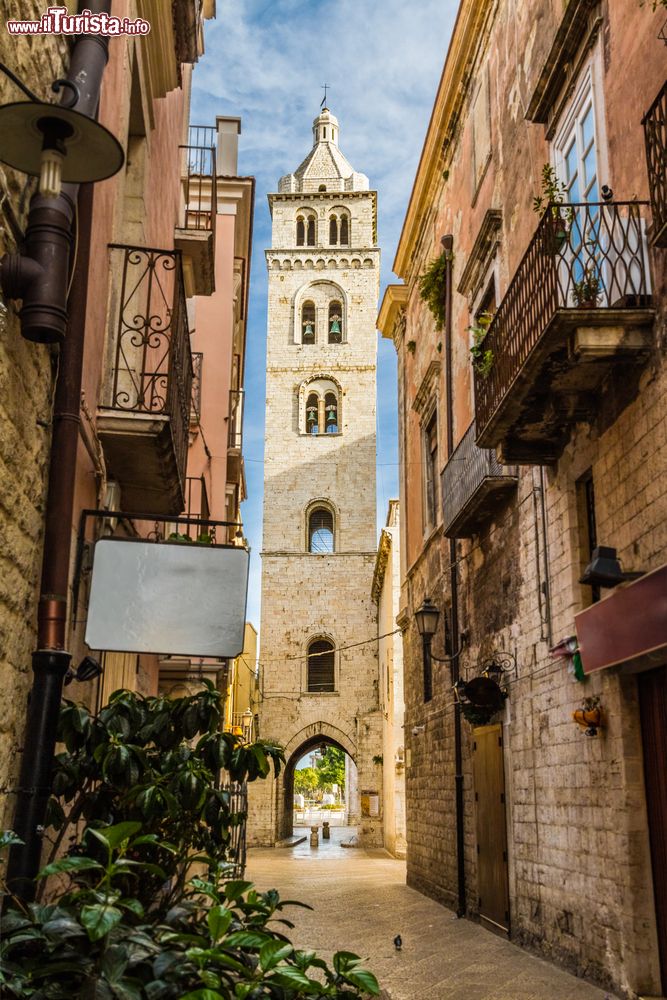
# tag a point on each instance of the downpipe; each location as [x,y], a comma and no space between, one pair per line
[44,318]
[448,246]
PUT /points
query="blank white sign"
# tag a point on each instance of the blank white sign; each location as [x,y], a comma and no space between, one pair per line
[151,597]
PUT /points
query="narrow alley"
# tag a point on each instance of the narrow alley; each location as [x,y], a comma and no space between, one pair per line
[361,903]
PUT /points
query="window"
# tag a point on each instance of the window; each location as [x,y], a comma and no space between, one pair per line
[335,323]
[305,229]
[300,232]
[431,472]
[311,231]
[321,666]
[308,323]
[312,414]
[321,531]
[587,532]
[331,413]
[333,230]
[344,231]
[322,187]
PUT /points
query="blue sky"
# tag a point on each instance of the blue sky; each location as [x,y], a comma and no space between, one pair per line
[266,61]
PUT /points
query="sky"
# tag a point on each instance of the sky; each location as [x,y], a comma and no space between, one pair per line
[266,61]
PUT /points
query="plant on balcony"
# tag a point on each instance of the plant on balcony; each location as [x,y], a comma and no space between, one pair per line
[586,292]
[482,360]
[432,289]
[141,905]
[553,194]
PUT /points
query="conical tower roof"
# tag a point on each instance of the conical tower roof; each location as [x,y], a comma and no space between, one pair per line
[325,167]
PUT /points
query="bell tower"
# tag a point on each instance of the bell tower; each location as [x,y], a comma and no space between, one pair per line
[318,662]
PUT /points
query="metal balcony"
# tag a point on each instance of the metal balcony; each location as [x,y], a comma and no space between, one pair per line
[655,135]
[578,305]
[473,483]
[235,436]
[144,416]
[195,407]
[195,235]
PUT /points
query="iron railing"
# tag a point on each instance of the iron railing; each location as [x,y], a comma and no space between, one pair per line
[199,187]
[581,256]
[152,366]
[655,135]
[202,135]
[235,439]
[236,848]
[465,480]
[196,503]
[195,408]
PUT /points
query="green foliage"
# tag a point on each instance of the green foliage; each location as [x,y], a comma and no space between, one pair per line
[432,289]
[330,767]
[654,4]
[125,919]
[306,780]
[215,944]
[482,360]
[586,291]
[156,762]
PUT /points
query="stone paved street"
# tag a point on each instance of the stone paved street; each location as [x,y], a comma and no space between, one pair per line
[361,902]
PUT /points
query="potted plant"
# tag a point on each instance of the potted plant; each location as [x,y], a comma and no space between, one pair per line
[482,360]
[559,219]
[586,291]
[589,716]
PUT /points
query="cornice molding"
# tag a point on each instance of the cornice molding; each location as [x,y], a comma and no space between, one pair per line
[482,251]
[427,388]
[452,91]
[391,318]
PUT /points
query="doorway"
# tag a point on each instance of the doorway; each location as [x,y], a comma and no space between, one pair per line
[653,711]
[319,786]
[492,871]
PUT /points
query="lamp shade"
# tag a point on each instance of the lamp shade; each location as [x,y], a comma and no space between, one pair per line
[604,569]
[427,618]
[92,153]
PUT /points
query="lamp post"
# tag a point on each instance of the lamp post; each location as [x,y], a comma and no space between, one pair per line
[427,616]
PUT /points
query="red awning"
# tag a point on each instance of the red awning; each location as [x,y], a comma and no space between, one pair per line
[629,627]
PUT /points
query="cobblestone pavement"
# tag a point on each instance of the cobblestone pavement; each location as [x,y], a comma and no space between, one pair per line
[361,903]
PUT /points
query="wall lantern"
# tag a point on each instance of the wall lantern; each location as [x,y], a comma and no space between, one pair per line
[427,619]
[604,569]
[246,725]
[55,143]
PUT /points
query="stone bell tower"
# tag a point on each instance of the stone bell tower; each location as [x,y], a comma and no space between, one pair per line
[319,484]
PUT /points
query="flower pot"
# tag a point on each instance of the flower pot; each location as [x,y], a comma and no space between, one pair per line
[590,720]
[555,236]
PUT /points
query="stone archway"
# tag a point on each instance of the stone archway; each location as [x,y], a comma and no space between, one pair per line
[307,739]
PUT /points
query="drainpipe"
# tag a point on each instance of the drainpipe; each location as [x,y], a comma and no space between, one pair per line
[47,302]
[448,245]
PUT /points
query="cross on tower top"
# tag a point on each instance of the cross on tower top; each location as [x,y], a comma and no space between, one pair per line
[325,87]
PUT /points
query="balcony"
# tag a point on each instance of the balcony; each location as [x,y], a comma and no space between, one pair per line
[235,437]
[577,308]
[473,483]
[195,236]
[195,407]
[144,416]
[655,135]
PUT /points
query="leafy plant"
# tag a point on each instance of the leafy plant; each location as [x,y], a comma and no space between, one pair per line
[586,291]
[432,288]
[553,191]
[482,360]
[157,762]
[215,944]
[330,767]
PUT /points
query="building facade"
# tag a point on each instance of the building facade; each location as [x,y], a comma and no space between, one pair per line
[319,487]
[532,432]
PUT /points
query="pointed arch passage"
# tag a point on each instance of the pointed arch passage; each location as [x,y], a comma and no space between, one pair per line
[321,666]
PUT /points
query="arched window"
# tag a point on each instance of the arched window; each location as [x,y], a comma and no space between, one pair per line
[300,231]
[322,187]
[344,231]
[312,413]
[321,666]
[308,323]
[333,230]
[311,231]
[331,413]
[320,530]
[335,323]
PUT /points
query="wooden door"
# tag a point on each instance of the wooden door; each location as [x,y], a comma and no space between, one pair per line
[489,782]
[653,708]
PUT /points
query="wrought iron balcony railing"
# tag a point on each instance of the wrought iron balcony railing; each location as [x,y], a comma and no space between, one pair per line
[202,135]
[235,439]
[152,362]
[655,135]
[583,260]
[199,187]
[470,486]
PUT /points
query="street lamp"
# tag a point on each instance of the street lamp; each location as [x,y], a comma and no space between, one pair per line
[246,725]
[427,622]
